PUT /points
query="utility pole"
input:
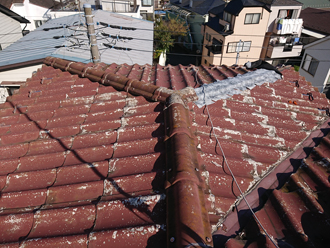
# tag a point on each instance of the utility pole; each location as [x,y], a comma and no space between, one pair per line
[91,33]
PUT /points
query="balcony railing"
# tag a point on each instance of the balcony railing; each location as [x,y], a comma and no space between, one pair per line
[287,26]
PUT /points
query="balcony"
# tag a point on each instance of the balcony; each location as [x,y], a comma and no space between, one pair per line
[284,50]
[119,6]
[287,26]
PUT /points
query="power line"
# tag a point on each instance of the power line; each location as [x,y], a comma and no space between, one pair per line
[232,174]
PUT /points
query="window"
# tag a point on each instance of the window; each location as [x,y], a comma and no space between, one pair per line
[207,36]
[38,23]
[252,18]
[227,16]
[310,64]
[288,13]
[235,47]
[146,2]
[216,46]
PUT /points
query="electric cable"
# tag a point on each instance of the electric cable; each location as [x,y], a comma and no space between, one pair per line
[232,174]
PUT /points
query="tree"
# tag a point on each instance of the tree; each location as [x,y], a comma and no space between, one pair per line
[166,32]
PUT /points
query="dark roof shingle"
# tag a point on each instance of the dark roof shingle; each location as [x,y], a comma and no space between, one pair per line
[316,20]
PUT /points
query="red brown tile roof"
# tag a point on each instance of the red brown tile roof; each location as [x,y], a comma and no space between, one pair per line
[119,155]
[296,215]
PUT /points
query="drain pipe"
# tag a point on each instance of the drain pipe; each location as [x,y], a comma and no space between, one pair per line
[91,33]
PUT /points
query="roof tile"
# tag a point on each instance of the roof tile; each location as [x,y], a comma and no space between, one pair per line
[75,192]
[106,153]
[82,173]
[57,222]
[15,226]
[78,241]
[22,199]
[30,180]
[39,162]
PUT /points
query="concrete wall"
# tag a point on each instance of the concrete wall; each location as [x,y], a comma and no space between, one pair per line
[9,25]
[320,52]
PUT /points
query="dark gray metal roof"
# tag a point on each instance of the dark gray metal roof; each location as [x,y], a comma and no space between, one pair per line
[235,6]
[201,7]
[39,43]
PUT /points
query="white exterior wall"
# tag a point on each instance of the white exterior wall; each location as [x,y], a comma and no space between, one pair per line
[18,74]
[321,52]
[58,14]
[9,25]
[273,15]
[31,12]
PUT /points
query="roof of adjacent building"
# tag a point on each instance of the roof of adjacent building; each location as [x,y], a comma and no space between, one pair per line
[45,3]
[66,38]
[316,20]
[41,3]
[235,6]
[320,4]
[8,3]
[297,214]
[286,3]
[119,155]
[201,7]
[12,14]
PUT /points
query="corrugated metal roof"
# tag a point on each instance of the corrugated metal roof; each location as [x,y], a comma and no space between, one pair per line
[40,44]
[69,143]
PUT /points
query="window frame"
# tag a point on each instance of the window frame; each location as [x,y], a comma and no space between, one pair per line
[227,16]
[248,14]
[235,48]
[310,62]
[142,2]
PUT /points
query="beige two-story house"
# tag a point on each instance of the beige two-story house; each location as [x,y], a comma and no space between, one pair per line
[247,30]
[235,32]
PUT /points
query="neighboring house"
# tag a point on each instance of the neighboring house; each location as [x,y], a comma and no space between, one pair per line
[236,27]
[282,39]
[134,8]
[121,156]
[33,10]
[255,29]
[194,13]
[316,24]
[315,66]
[10,29]
[144,7]
[131,42]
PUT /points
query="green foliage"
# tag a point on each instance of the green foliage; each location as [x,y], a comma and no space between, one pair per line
[165,33]
[296,67]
